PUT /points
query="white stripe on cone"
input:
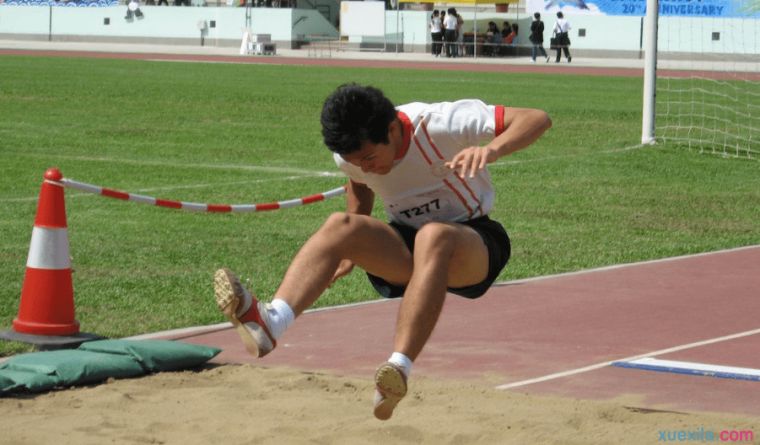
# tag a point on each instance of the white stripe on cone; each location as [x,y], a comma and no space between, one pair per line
[49,249]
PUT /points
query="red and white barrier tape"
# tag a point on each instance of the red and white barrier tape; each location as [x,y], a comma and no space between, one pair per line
[193,206]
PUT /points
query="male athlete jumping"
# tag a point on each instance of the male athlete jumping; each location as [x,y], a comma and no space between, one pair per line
[427,164]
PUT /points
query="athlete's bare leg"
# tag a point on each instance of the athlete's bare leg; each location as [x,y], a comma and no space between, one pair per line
[445,255]
[371,244]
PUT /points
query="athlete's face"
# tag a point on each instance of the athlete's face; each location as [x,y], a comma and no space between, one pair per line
[376,158]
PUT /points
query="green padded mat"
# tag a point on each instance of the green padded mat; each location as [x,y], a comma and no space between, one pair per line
[97,361]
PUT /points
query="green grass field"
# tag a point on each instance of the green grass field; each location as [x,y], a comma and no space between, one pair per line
[583,196]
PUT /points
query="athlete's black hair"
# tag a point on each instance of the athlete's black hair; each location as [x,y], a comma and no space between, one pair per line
[354,114]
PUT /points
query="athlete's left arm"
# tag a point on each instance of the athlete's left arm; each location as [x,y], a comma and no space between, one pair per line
[522,127]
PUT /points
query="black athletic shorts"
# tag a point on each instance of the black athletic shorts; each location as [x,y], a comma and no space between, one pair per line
[499,249]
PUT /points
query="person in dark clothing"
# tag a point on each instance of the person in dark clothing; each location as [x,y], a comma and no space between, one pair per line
[562,31]
[537,37]
[450,35]
[506,30]
[436,34]
[493,38]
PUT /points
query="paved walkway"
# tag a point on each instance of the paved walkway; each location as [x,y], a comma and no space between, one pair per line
[579,65]
[303,53]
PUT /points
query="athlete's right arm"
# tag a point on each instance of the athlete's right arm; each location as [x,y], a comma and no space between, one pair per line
[359,198]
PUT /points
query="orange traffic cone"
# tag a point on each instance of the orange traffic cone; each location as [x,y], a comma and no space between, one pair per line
[47,296]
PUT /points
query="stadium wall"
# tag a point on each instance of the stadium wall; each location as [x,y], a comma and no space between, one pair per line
[160,25]
[605,36]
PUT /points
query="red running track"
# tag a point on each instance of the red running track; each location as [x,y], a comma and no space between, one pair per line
[521,331]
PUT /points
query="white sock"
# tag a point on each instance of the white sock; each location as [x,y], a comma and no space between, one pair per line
[281,316]
[402,361]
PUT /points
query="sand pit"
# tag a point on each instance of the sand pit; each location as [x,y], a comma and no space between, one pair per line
[246,404]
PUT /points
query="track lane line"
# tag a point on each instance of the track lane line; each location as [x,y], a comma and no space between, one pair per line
[635,357]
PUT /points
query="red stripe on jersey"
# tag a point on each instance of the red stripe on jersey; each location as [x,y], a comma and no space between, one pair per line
[265,207]
[422,150]
[313,198]
[115,194]
[499,120]
[450,185]
[464,183]
[461,198]
[169,204]
[430,141]
[218,208]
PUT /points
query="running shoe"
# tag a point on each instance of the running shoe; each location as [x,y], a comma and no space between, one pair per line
[248,315]
[390,388]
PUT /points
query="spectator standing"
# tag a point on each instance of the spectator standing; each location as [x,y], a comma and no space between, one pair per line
[436,34]
[460,34]
[537,37]
[133,7]
[561,31]
[450,34]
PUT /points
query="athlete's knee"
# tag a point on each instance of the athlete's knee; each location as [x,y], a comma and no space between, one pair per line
[436,238]
[342,224]
[337,220]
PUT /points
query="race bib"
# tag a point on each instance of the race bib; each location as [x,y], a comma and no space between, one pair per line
[436,205]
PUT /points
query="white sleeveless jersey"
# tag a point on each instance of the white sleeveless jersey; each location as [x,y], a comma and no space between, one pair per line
[419,188]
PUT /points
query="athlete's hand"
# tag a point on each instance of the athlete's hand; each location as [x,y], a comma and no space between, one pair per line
[472,159]
[344,268]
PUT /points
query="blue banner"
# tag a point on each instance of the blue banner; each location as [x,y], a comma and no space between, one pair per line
[69,4]
[638,8]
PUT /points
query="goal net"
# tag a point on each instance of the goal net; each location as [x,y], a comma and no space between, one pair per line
[707,94]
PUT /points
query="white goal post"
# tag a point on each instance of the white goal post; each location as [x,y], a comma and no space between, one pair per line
[702,76]
[650,73]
